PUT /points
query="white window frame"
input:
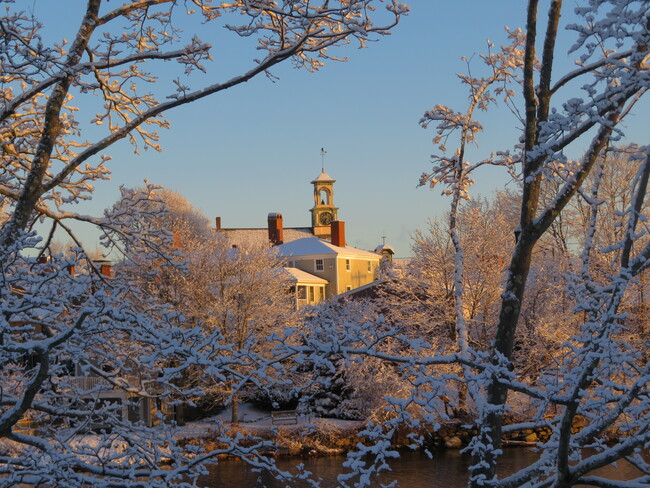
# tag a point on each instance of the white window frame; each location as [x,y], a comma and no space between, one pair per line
[348,266]
[319,265]
[369,266]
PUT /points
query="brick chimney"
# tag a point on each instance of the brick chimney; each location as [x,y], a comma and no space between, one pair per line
[276,233]
[338,233]
[218,223]
[105,267]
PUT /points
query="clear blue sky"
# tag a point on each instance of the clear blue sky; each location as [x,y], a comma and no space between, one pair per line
[254,149]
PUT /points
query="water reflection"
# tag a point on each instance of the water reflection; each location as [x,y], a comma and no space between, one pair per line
[447,469]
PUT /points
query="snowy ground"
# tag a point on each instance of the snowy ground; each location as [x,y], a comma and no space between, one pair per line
[255,419]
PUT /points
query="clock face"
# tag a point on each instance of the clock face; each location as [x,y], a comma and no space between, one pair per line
[325,218]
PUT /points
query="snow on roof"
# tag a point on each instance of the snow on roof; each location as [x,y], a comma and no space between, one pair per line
[300,276]
[324,177]
[310,246]
[260,236]
[386,247]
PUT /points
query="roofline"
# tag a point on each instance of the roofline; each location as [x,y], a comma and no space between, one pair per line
[260,228]
[331,254]
[367,286]
[311,282]
[309,278]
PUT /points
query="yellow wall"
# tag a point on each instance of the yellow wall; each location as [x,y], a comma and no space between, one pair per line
[328,273]
[358,275]
[334,271]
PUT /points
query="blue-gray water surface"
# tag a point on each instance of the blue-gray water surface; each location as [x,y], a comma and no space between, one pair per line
[447,469]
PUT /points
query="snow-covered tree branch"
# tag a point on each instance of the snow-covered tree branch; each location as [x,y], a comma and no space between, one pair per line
[89,361]
[565,348]
[44,148]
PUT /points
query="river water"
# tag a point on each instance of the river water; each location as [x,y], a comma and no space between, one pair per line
[447,469]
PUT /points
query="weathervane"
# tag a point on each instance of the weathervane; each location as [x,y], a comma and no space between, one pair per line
[323,152]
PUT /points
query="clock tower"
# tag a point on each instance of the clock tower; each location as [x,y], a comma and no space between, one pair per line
[324,210]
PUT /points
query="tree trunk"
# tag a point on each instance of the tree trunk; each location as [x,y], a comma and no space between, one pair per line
[497,393]
[537,109]
[33,186]
[234,419]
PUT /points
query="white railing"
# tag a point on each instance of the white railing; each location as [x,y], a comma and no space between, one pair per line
[87,382]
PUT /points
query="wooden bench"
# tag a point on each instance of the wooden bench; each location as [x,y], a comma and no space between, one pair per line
[284,417]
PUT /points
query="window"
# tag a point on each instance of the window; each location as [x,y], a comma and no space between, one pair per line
[311,293]
[369,266]
[347,265]
[321,293]
[302,293]
[348,288]
[319,265]
[291,264]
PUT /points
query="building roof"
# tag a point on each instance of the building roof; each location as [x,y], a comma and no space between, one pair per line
[385,247]
[369,290]
[300,276]
[313,246]
[324,177]
[260,237]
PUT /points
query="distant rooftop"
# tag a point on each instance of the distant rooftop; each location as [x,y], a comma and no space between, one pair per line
[385,247]
[260,236]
